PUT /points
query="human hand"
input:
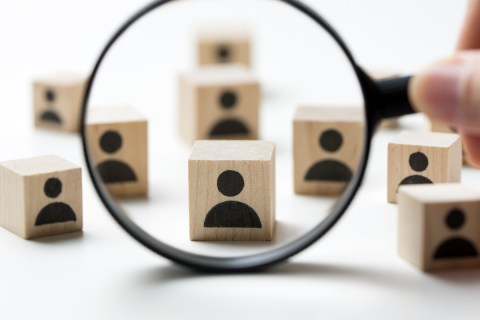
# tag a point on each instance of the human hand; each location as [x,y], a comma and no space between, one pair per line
[449,91]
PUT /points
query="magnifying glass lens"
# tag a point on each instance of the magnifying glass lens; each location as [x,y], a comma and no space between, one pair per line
[224,128]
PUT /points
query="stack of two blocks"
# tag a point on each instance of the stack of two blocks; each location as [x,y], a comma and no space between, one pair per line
[439,219]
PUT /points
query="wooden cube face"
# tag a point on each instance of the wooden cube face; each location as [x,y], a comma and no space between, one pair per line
[57,102]
[438,226]
[327,145]
[40,197]
[232,190]
[117,142]
[422,158]
[223,49]
[219,103]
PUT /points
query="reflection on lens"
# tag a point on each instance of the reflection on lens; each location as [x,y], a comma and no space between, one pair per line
[250,143]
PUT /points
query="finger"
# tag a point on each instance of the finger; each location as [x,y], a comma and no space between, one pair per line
[449,92]
[470,34]
[471,144]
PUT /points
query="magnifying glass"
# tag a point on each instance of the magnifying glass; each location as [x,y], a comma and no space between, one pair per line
[257,84]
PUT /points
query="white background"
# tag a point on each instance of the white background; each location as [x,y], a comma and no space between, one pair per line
[102,273]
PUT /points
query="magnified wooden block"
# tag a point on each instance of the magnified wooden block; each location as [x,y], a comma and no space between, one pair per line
[222,47]
[423,158]
[327,145]
[117,141]
[231,189]
[219,103]
[40,196]
[57,102]
[438,226]
[440,127]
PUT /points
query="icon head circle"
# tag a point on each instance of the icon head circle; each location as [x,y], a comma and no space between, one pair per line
[230,183]
[228,99]
[111,141]
[53,187]
[455,219]
[331,140]
[50,95]
[223,53]
[418,161]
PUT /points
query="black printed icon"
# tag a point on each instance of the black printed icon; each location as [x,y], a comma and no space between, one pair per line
[231,214]
[57,211]
[329,169]
[114,171]
[223,53]
[49,115]
[228,100]
[418,162]
[455,247]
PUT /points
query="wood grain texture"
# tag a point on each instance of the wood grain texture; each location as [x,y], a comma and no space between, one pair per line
[440,127]
[255,161]
[423,228]
[22,195]
[66,104]
[200,108]
[308,126]
[133,152]
[223,47]
[443,151]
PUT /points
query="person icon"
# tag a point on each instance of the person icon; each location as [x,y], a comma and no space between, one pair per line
[231,214]
[228,100]
[49,115]
[57,211]
[418,162]
[114,171]
[455,247]
[331,141]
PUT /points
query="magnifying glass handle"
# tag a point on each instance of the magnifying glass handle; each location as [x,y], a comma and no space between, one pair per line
[393,97]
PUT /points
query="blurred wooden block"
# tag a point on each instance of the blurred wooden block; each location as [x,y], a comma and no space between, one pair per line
[440,127]
[438,226]
[223,47]
[327,145]
[219,103]
[231,189]
[40,196]
[422,157]
[117,141]
[57,102]
[392,123]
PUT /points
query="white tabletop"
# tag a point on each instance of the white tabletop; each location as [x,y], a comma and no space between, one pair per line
[102,273]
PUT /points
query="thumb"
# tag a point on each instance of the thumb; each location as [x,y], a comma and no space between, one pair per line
[449,92]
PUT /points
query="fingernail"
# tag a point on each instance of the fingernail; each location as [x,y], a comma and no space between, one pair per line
[436,91]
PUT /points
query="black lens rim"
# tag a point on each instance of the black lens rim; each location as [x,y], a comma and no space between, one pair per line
[251,262]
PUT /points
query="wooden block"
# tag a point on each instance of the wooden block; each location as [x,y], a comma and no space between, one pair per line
[117,140]
[422,157]
[327,145]
[40,196]
[223,47]
[57,102]
[438,226]
[440,127]
[231,190]
[220,103]
[391,123]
